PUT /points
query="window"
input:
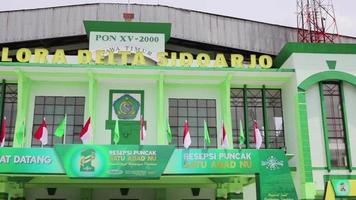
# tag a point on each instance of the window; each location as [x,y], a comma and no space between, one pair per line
[335,124]
[8,102]
[53,108]
[262,105]
[195,111]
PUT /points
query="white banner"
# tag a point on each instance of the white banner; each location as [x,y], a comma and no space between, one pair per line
[147,43]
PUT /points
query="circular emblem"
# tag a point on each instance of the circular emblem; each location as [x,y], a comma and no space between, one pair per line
[126,107]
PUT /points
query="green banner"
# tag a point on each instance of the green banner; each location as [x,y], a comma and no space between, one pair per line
[29,161]
[271,167]
[213,161]
[114,161]
[273,177]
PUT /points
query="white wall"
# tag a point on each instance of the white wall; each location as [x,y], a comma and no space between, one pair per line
[350,97]
[315,126]
[250,192]
[289,95]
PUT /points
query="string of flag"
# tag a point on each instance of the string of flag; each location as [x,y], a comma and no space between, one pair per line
[85,135]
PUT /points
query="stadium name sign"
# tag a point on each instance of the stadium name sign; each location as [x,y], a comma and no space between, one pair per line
[184,59]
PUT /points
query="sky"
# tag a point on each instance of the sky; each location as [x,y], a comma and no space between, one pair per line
[282,12]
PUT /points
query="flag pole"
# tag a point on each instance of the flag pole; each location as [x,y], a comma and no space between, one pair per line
[204,135]
[65,129]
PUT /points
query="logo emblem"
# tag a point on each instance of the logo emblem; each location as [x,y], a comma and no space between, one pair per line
[126,107]
[272,163]
[341,187]
[87,160]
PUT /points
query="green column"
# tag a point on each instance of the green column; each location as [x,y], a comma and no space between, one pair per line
[226,108]
[304,156]
[92,94]
[4,191]
[161,114]
[2,91]
[23,99]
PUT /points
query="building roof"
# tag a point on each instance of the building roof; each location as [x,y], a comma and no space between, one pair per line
[57,22]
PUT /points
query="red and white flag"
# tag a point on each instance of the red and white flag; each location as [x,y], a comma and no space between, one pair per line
[42,133]
[224,141]
[3,132]
[257,135]
[142,131]
[186,136]
[86,133]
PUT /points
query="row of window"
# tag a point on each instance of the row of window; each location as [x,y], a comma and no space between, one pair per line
[196,111]
[247,105]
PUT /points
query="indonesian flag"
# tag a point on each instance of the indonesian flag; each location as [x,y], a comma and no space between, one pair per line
[257,135]
[186,136]
[142,131]
[3,132]
[86,133]
[42,133]
[224,141]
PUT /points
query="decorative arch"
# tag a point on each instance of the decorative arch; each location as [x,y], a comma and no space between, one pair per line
[327,75]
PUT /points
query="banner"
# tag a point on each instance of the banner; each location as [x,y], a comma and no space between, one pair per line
[274,180]
[114,161]
[273,177]
[147,43]
[29,161]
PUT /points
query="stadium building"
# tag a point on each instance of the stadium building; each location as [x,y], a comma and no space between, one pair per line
[264,117]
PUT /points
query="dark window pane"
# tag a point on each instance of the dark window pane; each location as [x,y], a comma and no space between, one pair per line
[9,101]
[335,123]
[195,111]
[255,106]
[53,109]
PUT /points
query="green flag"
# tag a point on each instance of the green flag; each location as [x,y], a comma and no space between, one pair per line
[206,134]
[169,133]
[61,129]
[20,133]
[116,132]
[242,136]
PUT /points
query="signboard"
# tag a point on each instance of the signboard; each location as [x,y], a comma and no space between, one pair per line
[29,161]
[271,167]
[147,43]
[213,161]
[114,161]
[104,57]
[273,177]
[344,187]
